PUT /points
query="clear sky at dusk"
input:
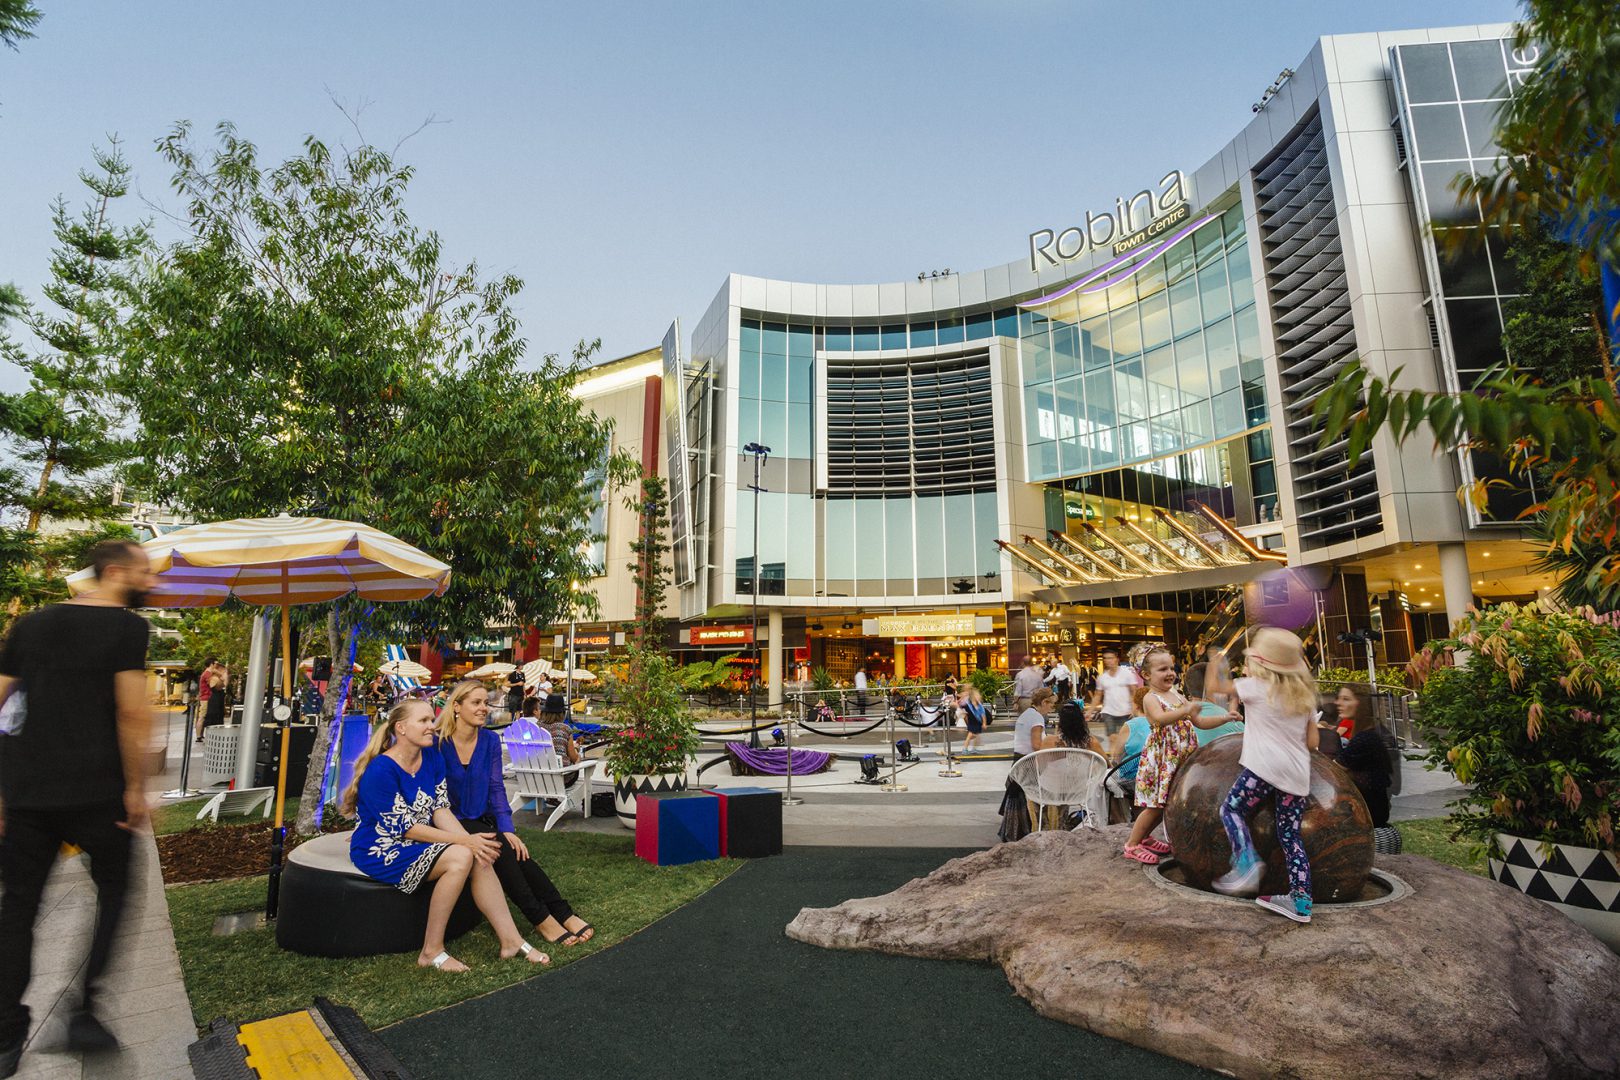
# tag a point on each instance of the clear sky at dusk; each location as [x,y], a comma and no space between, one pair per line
[623,158]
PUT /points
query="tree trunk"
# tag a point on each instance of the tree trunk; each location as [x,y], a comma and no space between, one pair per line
[315,779]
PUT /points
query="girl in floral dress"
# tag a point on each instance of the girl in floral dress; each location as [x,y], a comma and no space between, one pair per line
[407,835]
[1173,740]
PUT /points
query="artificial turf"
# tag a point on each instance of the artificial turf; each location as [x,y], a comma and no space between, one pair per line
[717,989]
[246,976]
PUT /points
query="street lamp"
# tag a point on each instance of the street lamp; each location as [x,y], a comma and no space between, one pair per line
[761,453]
[574,588]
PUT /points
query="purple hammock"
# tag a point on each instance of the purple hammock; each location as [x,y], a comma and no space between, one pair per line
[746,762]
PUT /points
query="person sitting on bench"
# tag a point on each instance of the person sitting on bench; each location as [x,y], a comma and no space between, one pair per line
[472,764]
[407,834]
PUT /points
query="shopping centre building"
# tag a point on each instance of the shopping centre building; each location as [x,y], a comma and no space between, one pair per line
[1109,438]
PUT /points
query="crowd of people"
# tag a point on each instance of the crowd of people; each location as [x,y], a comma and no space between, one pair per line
[1153,716]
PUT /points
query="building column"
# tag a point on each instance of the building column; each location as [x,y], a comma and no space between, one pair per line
[1456,582]
[773,685]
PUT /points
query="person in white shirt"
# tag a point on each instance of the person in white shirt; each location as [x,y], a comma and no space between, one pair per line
[1061,680]
[1112,698]
[1029,735]
[860,691]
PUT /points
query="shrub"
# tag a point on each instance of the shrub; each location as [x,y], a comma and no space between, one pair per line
[987,683]
[653,731]
[1530,722]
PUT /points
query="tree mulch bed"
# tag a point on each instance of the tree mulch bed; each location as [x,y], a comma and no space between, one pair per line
[223,851]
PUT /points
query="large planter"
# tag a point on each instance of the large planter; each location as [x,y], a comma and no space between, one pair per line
[626,788]
[1581,882]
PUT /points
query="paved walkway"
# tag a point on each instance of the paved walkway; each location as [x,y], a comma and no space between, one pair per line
[145,1001]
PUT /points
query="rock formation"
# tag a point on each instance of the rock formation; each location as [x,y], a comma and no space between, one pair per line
[1464,977]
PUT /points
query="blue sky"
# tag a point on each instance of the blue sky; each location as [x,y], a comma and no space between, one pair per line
[622,158]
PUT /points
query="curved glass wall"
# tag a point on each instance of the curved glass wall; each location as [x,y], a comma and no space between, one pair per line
[1165,361]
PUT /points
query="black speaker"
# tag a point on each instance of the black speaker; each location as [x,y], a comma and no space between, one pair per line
[322,669]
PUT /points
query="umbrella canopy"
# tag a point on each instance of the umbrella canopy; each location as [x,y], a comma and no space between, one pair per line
[491,671]
[408,669]
[535,670]
[283,561]
[579,675]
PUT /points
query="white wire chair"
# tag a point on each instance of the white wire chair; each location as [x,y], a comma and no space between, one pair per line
[1065,776]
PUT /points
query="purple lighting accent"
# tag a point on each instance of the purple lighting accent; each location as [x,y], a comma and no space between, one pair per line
[1164,246]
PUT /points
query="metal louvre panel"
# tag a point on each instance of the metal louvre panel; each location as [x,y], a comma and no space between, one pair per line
[904,425]
[1310,307]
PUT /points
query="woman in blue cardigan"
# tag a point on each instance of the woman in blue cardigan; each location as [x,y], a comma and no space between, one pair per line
[472,765]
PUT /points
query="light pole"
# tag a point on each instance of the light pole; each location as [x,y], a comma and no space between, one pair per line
[761,453]
[568,676]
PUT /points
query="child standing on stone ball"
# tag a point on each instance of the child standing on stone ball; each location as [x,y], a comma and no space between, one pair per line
[1174,720]
[1280,707]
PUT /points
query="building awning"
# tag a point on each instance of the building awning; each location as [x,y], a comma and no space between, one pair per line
[1166,551]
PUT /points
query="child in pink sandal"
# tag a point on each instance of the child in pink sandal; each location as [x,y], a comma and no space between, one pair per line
[1174,739]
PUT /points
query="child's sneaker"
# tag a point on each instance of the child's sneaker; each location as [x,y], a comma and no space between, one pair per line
[1297,908]
[1242,880]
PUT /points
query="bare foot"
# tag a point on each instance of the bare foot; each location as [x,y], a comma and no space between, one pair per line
[532,954]
[579,928]
[449,963]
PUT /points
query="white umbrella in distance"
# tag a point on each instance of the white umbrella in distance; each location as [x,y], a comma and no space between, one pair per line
[405,669]
[491,671]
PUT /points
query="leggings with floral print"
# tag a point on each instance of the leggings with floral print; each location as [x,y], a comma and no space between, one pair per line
[1248,792]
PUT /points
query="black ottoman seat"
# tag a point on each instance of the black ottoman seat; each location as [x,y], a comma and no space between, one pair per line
[328,908]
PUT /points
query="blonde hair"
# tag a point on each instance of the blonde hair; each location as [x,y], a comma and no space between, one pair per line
[1290,693]
[448,723]
[382,737]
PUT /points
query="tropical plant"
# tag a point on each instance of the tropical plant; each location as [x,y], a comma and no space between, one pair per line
[1528,723]
[707,676]
[653,730]
[987,683]
[821,680]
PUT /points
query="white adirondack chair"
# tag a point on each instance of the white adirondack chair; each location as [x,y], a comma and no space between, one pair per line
[540,774]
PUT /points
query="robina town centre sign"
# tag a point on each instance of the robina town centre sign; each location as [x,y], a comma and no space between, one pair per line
[1133,222]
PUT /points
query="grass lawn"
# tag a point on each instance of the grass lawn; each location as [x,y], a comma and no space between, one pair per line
[170,818]
[247,977]
[1432,837]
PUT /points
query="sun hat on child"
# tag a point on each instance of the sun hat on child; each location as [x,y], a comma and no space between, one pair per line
[1279,650]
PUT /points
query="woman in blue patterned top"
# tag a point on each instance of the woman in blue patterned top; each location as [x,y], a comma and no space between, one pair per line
[406,834]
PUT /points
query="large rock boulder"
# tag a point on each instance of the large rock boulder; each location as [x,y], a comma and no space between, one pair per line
[1464,977]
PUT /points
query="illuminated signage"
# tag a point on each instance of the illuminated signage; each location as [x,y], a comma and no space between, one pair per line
[590,640]
[722,635]
[983,641]
[1144,211]
[899,626]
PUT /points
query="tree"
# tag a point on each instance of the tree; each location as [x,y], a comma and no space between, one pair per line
[63,429]
[651,551]
[307,348]
[1553,328]
[17,21]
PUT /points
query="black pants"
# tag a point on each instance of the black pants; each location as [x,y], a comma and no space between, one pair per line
[28,853]
[524,883]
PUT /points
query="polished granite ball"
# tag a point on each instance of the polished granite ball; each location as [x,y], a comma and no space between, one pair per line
[1337,828]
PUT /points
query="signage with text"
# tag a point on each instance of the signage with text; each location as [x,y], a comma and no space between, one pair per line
[590,640]
[721,635]
[901,626]
[1133,222]
[983,641]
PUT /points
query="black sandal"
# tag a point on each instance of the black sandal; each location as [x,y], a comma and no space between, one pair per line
[581,930]
[563,940]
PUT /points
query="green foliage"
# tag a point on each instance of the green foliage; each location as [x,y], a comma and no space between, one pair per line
[987,683]
[1567,435]
[707,676]
[1559,131]
[306,348]
[651,551]
[17,21]
[1529,723]
[1552,326]
[61,432]
[653,732]
[821,680]
[223,633]
[620,894]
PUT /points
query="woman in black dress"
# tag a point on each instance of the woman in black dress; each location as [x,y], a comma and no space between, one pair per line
[1366,758]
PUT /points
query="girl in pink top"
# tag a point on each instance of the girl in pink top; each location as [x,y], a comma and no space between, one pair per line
[1279,702]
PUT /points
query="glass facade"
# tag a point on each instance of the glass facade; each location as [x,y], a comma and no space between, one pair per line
[1165,361]
[775,408]
[1451,94]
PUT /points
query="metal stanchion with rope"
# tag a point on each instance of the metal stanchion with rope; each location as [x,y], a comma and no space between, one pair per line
[185,790]
[946,721]
[788,722]
[894,785]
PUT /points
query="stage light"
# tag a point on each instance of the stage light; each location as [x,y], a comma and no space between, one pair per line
[902,747]
[778,737]
[869,768]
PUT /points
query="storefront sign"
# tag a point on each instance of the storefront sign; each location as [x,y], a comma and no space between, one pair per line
[722,635]
[590,640]
[904,626]
[983,641]
[1144,213]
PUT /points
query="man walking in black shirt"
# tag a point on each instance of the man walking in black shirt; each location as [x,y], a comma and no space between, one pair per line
[71,772]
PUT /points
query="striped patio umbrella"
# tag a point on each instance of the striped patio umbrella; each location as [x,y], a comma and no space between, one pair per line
[491,671]
[405,669]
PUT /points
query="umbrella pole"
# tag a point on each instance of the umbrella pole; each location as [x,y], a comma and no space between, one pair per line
[278,835]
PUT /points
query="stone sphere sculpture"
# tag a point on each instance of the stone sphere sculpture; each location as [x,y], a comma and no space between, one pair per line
[1337,828]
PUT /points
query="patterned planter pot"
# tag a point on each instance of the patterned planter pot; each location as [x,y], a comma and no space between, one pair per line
[1581,882]
[626,788]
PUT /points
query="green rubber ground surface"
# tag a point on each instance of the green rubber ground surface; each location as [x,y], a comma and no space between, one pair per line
[717,990]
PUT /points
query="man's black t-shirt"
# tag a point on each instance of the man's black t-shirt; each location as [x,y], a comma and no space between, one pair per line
[64,658]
